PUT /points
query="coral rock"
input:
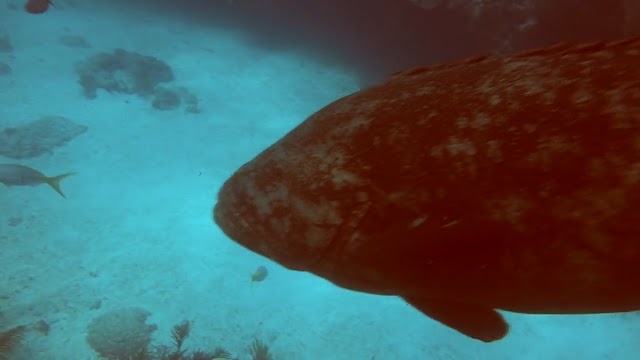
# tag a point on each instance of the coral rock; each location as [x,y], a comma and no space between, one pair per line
[122,71]
[38,137]
[120,334]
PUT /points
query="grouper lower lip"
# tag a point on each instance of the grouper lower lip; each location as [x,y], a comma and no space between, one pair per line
[227,217]
[225,211]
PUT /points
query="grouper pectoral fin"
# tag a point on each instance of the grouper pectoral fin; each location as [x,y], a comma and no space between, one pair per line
[475,321]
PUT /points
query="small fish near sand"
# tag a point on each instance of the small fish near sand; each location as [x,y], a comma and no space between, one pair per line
[20,175]
[260,274]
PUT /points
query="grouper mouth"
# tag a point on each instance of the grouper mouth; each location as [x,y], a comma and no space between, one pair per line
[229,221]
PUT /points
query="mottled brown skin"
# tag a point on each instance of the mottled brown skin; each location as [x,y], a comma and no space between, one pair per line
[507,183]
[38,6]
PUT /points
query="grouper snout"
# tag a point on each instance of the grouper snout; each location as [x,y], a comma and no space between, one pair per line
[228,215]
[263,221]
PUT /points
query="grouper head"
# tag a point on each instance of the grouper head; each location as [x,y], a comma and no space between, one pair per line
[309,203]
[274,207]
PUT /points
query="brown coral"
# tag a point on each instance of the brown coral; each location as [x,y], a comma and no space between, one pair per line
[10,339]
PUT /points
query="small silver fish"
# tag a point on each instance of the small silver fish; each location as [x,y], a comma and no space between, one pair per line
[260,274]
[20,175]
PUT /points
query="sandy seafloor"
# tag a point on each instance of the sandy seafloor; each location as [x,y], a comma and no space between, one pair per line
[136,228]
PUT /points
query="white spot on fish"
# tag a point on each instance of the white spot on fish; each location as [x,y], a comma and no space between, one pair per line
[519,66]
[463,122]
[362,196]
[487,86]
[318,215]
[450,224]
[457,146]
[425,91]
[509,209]
[480,121]
[368,107]
[427,119]
[355,124]
[550,147]
[532,86]
[581,96]
[549,97]
[618,109]
[341,178]
[495,99]
[344,106]
[418,221]
[264,199]
[605,54]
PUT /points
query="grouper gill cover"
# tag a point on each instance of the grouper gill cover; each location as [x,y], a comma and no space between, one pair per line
[495,183]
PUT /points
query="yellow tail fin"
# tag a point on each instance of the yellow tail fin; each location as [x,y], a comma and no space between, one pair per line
[54,182]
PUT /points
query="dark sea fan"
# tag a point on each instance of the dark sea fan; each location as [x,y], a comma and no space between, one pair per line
[259,351]
[10,339]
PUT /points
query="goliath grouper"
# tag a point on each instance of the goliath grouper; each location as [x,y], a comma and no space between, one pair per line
[497,183]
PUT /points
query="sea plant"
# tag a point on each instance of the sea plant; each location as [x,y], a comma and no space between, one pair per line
[259,350]
[10,339]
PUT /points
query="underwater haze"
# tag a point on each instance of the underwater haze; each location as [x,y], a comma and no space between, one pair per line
[120,120]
